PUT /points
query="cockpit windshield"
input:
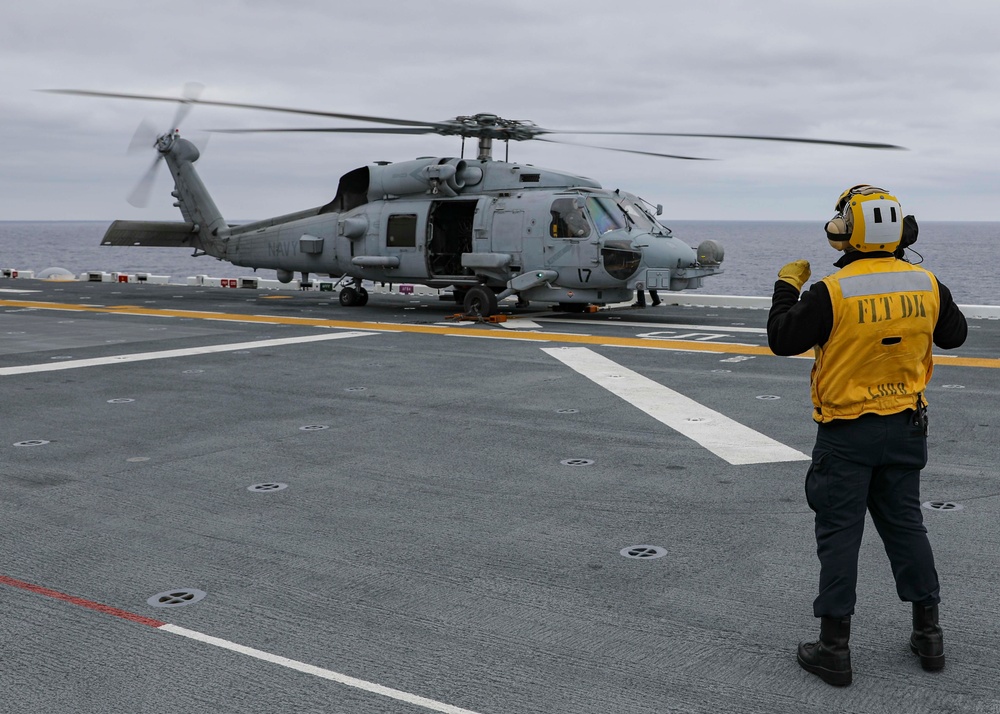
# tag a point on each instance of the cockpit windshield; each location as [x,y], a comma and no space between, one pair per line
[639,217]
[621,212]
[606,214]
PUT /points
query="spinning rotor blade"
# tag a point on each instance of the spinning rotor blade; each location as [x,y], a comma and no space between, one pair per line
[144,137]
[430,130]
[192,90]
[363,130]
[346,130]
[139,197]
[626,151]
[430,126]
[483,126]
[752,137]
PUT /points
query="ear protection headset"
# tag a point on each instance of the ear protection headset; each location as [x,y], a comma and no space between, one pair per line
[868,218]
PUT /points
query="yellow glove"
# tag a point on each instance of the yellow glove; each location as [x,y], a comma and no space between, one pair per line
[795,273]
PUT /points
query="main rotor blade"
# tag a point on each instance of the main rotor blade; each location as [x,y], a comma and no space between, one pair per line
[239,105]
[625,151]
[362,130]
[345,130]
[139,197]
[754,137]
[457,127]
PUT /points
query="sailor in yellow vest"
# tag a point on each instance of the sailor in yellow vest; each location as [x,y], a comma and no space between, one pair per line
[871,325]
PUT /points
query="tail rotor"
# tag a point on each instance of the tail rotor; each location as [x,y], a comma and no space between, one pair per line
[192,91]
[146,135]
[139,196]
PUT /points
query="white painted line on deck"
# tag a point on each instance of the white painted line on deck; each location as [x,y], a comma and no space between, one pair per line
[498,336]
[520,324]
[327,674]
[724,437]
[315,671]
[169,354]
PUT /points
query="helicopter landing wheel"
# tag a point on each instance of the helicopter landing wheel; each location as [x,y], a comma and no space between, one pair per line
[349,297]
[572,306]
[362,298]
[480,301]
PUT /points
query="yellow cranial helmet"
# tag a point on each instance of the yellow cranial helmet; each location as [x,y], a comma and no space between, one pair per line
[869,218]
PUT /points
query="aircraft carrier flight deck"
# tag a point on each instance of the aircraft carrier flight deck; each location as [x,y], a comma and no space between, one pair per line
[235,500]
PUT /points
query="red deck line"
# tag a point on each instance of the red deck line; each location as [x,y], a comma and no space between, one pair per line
[89,604]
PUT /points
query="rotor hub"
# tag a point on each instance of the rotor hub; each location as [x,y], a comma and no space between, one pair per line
[490,126]
[164,142]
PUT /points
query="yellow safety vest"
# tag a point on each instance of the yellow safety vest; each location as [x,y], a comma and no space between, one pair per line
[877,359]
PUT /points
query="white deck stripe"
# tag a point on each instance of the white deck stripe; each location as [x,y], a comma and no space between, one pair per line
[521,324]
[724,437]
[168,354]
[318,671]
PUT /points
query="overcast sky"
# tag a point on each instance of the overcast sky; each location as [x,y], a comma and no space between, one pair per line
[921,74]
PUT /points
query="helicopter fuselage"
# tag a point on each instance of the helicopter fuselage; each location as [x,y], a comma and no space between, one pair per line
[493,227]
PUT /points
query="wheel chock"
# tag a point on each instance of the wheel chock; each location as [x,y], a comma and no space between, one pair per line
[492,319]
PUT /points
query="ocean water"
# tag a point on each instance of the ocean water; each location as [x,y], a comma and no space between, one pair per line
[958,253]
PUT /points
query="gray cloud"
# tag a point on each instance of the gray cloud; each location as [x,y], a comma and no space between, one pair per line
[920,74]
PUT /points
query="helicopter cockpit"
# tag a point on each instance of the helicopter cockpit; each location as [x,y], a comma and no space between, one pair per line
[606,214]
[628,235]
[569,219]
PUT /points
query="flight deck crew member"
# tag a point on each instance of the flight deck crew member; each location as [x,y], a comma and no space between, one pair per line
[640,298]
[871,325]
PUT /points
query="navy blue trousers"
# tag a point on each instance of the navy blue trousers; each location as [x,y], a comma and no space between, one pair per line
[870,463]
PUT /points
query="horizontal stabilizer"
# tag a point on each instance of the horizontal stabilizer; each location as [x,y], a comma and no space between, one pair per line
[159,234]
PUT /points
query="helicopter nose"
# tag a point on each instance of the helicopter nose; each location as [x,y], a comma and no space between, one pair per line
[621,257]
[659,252]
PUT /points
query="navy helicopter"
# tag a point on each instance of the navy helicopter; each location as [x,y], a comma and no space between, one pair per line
[487,229]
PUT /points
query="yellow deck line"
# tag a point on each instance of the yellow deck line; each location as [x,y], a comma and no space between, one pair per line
[675,345]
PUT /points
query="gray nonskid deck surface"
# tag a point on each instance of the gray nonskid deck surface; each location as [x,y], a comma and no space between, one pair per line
[430,539]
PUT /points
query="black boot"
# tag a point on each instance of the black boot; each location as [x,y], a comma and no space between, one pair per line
[830,657]
[927,640]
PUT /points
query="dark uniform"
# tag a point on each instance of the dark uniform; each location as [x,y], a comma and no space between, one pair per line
[871,325]
[640,298]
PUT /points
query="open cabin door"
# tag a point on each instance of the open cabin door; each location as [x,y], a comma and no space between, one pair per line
[449,234]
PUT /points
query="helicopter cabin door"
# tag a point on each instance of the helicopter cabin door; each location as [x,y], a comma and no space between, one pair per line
[508,234]
[572,245]
[449,234]
[403,237]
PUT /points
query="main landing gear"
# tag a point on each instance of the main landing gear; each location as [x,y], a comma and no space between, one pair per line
[480,301]
[354,295]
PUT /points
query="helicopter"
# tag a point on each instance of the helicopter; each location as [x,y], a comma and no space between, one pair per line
[485,228]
